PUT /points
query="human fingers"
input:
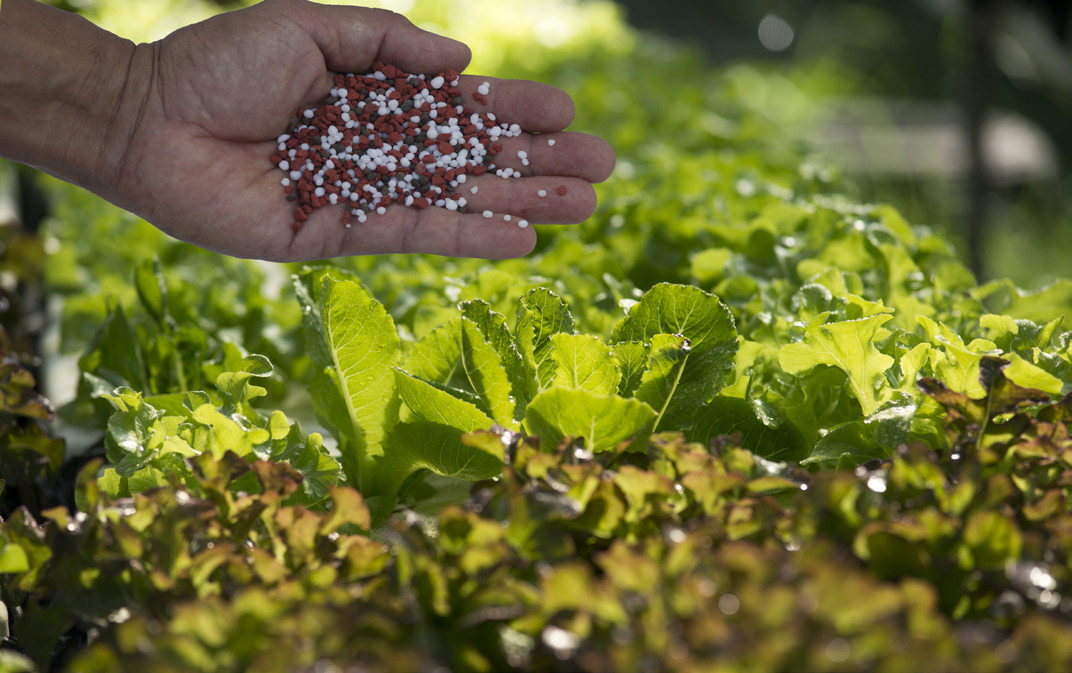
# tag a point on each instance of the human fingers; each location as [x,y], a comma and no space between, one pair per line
[497,224]
[533,106]
[352,38]
[435,231]
[537,107]
[537,200]
[557,188]
[571,154]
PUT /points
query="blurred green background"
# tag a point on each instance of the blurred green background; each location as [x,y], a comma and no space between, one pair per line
[959,112]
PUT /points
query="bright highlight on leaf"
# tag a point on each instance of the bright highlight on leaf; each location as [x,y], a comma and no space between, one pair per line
[603,422]
[849,346]
[584,363]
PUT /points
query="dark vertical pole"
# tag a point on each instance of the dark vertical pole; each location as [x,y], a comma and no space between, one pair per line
[32,205]
[980,19]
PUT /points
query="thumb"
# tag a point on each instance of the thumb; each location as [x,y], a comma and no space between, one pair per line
[352,38]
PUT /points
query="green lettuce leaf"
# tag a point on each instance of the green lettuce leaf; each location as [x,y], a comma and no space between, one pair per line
[726,415]
[430,436]
[849,346]
[355,347]
[455,356]
[583,362]
[632,357]
[693,342]
[855,442]
[540,313]
[493,326]
[438,448]
[115,356]
[603,422]
[427,402]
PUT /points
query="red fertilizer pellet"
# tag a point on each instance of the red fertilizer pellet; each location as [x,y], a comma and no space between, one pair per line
[384,138]
[561,191]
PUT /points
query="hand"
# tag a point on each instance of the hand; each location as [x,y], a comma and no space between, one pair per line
[222,90]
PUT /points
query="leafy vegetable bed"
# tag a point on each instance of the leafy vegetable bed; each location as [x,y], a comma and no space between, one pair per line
[736,421]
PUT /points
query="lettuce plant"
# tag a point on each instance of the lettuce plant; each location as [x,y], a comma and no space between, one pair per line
[737,420]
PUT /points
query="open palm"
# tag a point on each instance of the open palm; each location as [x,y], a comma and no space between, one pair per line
[224,89]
